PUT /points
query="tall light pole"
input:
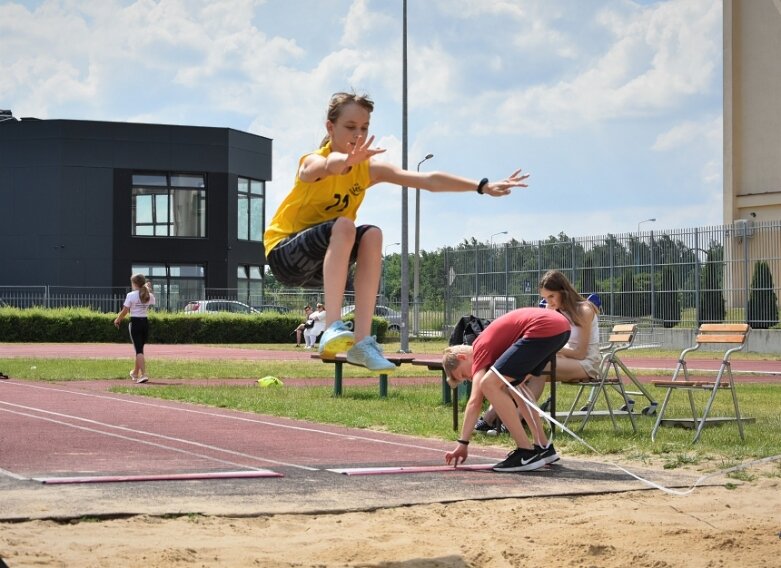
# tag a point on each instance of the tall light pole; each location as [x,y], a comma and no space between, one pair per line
[404,213]
[499,233]
[646,221]
[637,256]
[416,277]
[385,254]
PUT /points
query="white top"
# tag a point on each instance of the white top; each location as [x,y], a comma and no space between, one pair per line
[591,362]
[137,309]
[319,319]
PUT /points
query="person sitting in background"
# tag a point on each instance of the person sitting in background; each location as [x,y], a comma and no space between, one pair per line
[303,325]
[312,334]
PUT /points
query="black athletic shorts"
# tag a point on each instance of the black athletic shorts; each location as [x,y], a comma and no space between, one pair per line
[139,333]
[529,356]
[298,259]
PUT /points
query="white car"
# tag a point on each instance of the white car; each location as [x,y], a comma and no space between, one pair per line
[218,306]
[393,317]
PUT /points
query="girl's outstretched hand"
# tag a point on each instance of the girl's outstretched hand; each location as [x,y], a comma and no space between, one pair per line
[503,186]
[362,151]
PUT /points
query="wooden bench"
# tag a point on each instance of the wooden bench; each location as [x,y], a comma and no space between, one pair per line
[449,396]
[431,363]
[338,361]
[733,337]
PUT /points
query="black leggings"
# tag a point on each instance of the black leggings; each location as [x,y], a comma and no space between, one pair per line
[139,333]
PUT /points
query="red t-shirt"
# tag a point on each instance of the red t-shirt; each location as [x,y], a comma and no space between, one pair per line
[531,323]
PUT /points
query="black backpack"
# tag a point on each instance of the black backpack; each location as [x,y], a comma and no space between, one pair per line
[467,329]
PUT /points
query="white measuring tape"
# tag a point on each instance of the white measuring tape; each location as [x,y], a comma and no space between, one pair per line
[700,481]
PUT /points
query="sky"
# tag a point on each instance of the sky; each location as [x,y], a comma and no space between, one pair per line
[614,107]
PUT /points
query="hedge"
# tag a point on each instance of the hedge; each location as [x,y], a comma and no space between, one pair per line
[80,325]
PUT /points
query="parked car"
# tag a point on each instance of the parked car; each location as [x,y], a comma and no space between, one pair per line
[272,308]
[217,306]
[393,317]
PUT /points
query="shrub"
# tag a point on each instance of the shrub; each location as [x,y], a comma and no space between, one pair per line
[762,302]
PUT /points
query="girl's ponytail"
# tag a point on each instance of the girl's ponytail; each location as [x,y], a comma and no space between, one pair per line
[143,292]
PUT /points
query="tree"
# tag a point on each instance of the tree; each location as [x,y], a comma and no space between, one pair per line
[588,283]
[712,308]
[625,300]
[668,305]
[762,302]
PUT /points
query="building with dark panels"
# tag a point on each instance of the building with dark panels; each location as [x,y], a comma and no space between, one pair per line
[85,204]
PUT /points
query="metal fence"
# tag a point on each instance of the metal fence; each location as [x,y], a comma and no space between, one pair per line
[673,278]
[679,277]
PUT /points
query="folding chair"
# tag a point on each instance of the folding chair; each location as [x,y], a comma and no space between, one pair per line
[617,364]
[733,336]
[621,338]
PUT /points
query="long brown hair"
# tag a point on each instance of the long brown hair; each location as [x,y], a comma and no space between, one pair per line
[555,281]
[143,292]
[339,101]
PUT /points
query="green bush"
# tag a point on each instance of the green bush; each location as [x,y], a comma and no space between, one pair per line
[762,303]
[80,325]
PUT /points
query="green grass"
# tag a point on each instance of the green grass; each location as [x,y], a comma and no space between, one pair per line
[417,409]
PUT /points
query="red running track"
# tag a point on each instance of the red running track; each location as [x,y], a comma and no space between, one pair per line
[49,430]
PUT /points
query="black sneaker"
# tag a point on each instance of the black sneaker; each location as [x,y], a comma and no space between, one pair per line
[482,426]
[548,453]
[520,459]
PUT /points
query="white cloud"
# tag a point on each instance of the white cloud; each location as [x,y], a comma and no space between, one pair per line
[660,55]
[560,87]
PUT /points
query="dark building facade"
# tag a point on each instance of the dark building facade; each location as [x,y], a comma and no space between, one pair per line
[84,204]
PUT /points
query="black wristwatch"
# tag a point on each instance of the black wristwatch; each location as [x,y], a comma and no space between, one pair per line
[465,442]
[481,185]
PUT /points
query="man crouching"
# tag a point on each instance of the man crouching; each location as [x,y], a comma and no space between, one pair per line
[517,344]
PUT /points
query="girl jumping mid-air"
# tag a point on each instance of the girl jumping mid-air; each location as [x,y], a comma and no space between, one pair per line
[137,305]
[313,239]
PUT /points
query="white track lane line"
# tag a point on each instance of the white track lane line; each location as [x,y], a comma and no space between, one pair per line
[241,419]
[149,434]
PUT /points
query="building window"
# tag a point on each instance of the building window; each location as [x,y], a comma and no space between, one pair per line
[174,284]
[251,195]
[249,284]
[168,205]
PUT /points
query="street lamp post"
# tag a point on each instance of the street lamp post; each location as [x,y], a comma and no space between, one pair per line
[404,208]
[646,221]
[416,277]
[492,237]
[384,254]
[637,256]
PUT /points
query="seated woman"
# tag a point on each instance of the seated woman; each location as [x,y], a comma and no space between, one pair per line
[580,357]
[305,324]
[312,334]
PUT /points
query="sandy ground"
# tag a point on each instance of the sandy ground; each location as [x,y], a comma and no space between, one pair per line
[713,526]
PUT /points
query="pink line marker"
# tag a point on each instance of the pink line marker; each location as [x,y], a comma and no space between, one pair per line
[161,477]
[411,469]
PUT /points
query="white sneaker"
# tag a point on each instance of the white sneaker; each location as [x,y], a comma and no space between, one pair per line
[368,353]
[132,376]
[143,379]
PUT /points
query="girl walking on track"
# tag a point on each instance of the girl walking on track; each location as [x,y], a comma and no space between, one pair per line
[313,238]
[137,305]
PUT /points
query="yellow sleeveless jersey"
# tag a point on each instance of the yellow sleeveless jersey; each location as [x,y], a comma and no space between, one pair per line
[310,204]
